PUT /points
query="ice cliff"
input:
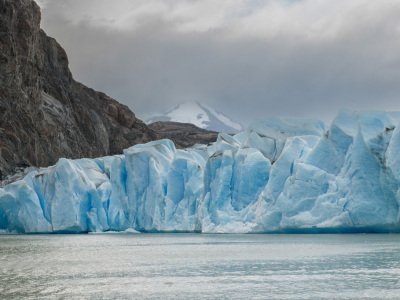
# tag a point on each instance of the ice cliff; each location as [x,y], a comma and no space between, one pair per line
[280,175]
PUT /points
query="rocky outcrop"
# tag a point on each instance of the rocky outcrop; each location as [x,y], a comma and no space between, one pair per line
[184,134]
[44,113]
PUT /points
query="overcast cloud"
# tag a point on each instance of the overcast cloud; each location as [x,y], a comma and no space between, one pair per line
[247,58]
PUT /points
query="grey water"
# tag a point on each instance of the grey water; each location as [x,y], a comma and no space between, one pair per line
[200,266]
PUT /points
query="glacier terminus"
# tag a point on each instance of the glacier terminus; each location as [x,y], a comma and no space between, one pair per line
[279,175]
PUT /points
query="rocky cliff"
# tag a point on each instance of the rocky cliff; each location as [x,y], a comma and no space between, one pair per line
[184,134]
[44,113]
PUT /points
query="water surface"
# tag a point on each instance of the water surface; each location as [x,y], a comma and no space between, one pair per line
[199,266]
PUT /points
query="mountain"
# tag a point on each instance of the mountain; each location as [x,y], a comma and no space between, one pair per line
[45,114]
[201,115]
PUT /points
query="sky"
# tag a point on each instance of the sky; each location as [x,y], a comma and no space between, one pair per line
[250,59]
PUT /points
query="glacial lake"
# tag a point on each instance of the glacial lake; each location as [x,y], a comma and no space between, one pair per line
[200,266]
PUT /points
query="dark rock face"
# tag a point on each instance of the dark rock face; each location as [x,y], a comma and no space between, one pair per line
[44,113]
[184,134]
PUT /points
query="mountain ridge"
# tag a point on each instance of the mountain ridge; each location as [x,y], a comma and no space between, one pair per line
[201,115]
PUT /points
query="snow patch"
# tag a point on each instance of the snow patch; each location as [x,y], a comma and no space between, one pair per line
[201,115]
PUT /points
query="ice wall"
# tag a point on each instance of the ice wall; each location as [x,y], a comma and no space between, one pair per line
[280,175]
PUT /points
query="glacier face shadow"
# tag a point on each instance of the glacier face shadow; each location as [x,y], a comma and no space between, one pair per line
[279,175]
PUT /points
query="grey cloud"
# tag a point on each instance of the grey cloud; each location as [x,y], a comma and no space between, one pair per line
[154,67]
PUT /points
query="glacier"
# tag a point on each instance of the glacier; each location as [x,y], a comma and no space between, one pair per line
[279,175]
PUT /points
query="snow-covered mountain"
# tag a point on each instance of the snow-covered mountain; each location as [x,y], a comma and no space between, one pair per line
[201,115]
